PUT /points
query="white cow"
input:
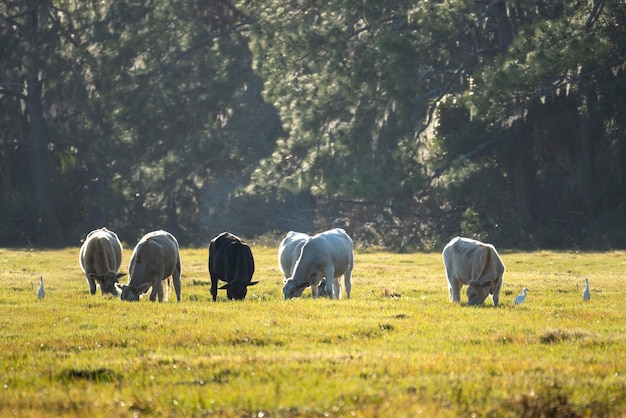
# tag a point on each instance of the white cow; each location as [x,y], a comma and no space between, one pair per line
[475,264]
[100,258]
[155,258]
[326,255]
[288,254]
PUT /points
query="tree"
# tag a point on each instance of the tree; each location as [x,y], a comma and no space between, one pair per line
[543,103]
[130,108]
[32,32]
[172,106]
[356,84]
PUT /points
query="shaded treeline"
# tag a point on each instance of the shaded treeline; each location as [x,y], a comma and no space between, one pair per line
[405,124]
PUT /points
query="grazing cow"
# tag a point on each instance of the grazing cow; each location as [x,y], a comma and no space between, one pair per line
[326,255]
[100,258]
[231,261]
[475,264]
[288,254]
[155,258]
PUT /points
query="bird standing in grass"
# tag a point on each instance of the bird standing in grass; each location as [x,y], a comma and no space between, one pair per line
[521,297]
[41,292]
[586,292]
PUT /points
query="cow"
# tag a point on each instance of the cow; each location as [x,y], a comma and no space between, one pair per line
[326,255]
[100,258]
[155,258]
[289,253]
[475,264]
[231,261]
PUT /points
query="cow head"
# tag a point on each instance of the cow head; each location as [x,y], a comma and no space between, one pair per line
[292,289]
[237,290]
[132,293]
[107,281]
[478,292]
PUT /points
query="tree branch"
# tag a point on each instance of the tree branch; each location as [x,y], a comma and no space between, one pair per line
[596,11]
[433,107]
[465,157]
[489,7]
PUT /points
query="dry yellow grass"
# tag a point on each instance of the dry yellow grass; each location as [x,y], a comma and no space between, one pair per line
[397,348]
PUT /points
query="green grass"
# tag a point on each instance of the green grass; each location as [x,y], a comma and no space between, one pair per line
[397,348]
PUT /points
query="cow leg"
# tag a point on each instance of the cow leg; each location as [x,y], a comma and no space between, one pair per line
[336,288]
[160,292]
[157,290]
[92,284]
[314,292]
[329,273]
[455,290]
[495,296]
[214,289]
[347,277]
[177,281]
[329,288]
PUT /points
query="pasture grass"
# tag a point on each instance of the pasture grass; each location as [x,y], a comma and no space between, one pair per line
[396,348]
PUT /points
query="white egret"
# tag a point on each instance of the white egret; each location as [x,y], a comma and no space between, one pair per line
[586,293]
[41,292]
[521,297]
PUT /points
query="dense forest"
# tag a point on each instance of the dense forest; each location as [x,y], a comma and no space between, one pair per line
[404,122]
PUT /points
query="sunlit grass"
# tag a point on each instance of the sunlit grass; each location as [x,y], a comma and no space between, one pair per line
[396,348]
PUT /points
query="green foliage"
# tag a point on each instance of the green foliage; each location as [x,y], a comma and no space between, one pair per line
[381,353]
[349,79]
[529,125]
[471,225]
[140,103]
[397,119]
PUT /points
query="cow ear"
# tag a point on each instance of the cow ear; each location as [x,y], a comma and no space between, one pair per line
[226,286]
[252,283]
[120,275]
[486,284]
[143,288]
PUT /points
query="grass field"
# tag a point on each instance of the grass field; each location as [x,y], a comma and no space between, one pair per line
[397,348]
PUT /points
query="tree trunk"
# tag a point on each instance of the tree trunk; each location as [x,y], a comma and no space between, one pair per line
[505,29]
[522,173]
[590,128]
[36,136]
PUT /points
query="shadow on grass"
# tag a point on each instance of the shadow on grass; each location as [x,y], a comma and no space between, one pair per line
[549,401]
[98,375]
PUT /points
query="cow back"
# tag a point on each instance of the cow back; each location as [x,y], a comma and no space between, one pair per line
[289,251]
[101,252]
[476,264]
[156,254]
[230,258]
[326,251]
[333,246]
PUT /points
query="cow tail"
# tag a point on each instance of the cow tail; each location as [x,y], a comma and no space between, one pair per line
[211,255]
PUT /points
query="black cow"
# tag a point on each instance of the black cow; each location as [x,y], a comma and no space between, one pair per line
[230,260]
